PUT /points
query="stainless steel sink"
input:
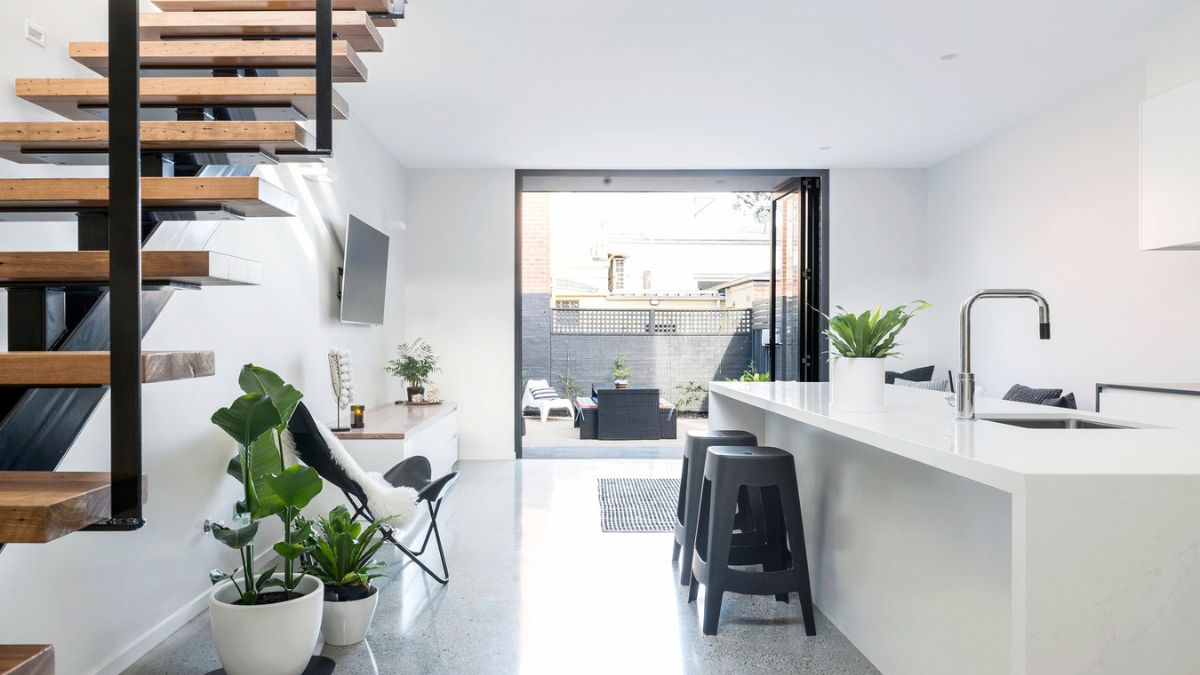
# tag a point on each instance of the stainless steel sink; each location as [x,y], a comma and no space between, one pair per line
[1047,422]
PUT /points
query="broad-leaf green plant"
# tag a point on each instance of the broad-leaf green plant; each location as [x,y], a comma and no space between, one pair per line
[341,552]
[872,334]
[256,420]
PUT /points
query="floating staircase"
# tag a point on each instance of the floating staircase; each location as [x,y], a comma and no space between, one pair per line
[222,87]
[87,98]
[222,54]
[82,143]
[356,28]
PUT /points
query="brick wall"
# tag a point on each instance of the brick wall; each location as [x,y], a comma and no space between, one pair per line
[535,242]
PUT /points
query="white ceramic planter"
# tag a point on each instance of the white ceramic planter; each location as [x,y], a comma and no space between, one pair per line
[346,622]
[857,384]
[275,639]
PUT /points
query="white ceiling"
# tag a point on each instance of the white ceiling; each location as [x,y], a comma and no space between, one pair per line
[751,84]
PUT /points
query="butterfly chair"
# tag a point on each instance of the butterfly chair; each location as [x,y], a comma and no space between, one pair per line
[395,496]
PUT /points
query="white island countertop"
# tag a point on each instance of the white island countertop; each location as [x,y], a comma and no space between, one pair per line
[920,425]
[940,546]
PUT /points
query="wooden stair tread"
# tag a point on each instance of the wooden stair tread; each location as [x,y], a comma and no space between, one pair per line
[70,97]
[357,28]
[208,54]
[374,6]
[26,660]
[31,142]
[88,369]
[248,197]
[195,268]
[40,506]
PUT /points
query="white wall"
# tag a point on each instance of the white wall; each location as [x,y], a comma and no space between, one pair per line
[99,597]
[1053,205]
[458,295]
[877,249]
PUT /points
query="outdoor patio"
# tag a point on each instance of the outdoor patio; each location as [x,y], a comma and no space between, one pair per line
[559,438]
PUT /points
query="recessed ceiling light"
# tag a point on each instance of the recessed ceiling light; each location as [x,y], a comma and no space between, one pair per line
[826,147]
[948,57]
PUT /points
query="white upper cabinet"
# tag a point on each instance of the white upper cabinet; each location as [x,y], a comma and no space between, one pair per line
[1170,182]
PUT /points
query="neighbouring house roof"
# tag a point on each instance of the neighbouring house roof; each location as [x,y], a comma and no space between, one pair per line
[575,287]
[764,277]
[650,294]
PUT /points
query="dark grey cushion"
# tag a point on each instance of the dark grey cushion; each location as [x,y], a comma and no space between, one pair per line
[1065,401]
[915,375]
[1022,394]
[933,385]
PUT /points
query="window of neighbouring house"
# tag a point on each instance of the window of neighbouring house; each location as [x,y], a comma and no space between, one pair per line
[616,273]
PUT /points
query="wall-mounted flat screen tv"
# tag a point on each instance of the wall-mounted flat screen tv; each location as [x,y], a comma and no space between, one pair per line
[364,279]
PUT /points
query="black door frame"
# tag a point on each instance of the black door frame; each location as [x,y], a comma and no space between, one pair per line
[820,276]
[816,268]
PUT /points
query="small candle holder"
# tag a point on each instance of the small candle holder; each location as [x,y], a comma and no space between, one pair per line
[358,415]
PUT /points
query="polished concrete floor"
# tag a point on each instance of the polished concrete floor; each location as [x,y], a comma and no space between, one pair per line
[536,587]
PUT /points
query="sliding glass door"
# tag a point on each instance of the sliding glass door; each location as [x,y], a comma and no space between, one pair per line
[795,298]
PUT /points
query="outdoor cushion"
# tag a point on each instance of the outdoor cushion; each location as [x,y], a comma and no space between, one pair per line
[544,394]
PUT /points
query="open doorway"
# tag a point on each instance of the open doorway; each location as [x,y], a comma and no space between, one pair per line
[637,289]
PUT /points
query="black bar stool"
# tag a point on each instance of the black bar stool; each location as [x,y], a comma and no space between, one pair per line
[769,473]
[695,449]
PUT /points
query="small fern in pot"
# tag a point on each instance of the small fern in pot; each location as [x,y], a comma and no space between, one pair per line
[859,343]
[341,553]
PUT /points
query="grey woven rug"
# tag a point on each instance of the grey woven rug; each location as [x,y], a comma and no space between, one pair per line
[638,504]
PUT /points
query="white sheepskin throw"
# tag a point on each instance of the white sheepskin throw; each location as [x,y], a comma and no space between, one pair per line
[385,501]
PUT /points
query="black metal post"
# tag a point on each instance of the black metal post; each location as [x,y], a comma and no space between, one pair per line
[125,261]
[324,37]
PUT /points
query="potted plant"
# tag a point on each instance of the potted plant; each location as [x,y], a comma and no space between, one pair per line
[268,623]
[859,343]
[689,393]
[414,363]
[340,552]
[620,372]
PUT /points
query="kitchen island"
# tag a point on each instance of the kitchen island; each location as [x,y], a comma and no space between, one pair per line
[944,546]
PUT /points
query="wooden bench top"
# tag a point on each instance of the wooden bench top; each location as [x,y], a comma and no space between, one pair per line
[392,421]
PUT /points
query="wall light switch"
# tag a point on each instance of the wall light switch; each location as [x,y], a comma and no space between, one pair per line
[35,33]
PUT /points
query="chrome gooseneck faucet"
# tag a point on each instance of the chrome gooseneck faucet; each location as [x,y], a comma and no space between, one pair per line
[965,397]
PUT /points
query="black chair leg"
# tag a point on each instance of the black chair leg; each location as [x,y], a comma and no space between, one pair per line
[702,511]
[429,530]
[776,535]
[720,535]
[361,510]
[692,514]
[794,523]
[680,515]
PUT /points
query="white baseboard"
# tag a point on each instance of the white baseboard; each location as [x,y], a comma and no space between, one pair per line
[151,639]
[486,456]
